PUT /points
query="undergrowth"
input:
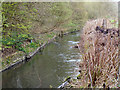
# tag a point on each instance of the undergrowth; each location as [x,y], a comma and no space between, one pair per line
[99,66]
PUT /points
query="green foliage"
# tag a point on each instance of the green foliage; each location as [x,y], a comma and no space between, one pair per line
[21,49]
[8,61]
[33,45]
[15,39]
[3,62]
[14,21]
[112,21]
[20,20]
[79,76]
[71,24]
[34,9]
[51,35]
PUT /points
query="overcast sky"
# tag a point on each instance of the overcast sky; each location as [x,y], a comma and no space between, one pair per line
[60,0]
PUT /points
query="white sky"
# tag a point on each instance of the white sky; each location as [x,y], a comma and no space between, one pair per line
[60,0]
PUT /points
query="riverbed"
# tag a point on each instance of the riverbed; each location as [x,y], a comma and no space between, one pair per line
[48,67]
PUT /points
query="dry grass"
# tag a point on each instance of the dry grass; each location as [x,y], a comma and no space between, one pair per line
[99,56]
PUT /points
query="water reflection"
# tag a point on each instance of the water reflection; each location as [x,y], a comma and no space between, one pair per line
[50,67]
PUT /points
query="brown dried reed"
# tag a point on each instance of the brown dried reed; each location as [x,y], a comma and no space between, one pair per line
[99,56]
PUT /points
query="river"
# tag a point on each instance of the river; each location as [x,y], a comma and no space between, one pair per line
[47,68]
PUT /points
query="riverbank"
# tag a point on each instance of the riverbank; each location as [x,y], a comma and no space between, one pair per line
[21,57]
[99,48]
[49,67]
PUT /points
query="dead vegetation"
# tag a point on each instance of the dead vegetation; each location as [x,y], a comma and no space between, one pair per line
[99,48]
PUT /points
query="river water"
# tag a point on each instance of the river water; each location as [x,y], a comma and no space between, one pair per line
[47,68]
